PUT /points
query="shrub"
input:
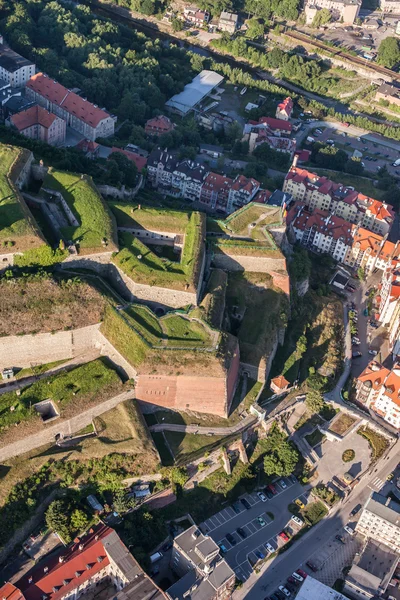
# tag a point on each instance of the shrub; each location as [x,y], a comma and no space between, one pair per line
[348,455]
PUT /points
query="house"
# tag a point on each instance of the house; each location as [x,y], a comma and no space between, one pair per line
[203,573]
[89,148]
[98,557]
[14,68]
[257,133]
[228,22]
[137,159]
[215,191]
[279,384]
[277,126]
[388,92]
[284,109]
[346,11]
[378,389]
[242,192]
[38,123]
[196,16]
[79,114]
[159,125]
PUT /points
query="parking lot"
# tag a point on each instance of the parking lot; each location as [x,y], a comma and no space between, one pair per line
[374,154]
[243,552]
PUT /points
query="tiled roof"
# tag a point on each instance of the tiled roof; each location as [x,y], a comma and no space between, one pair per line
[262,196]
[160,123]
[367,240]
[322,221]
[376,376]
[87,146]
[140,161]
[286,105]
[374,373]
[79,562]
[57,94]
[242,183]
[276,123]
[280,382]
[9,592]
[216,183]
[36,115]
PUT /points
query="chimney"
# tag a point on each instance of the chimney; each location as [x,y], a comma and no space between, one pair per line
[80,546]
[46,570]
[295,159]
[60,559]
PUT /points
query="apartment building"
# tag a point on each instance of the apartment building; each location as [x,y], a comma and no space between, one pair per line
[38,123]
[284,109]
[390,6]
[196,16]
[378,389]
[215,191]
[203,572]
[380,521]
[159,125]
[242,192]
[187,180]
[79,114]
[14,68]
[98,557]
[365,250]
[343,201]
[345,11]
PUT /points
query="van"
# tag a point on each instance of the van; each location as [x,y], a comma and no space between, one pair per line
[155,557]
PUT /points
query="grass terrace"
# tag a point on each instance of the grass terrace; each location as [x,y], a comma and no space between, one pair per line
[18,229]
[71,391]
[153,219]
[97,231]
[236,247]
[142,265]
[241,221]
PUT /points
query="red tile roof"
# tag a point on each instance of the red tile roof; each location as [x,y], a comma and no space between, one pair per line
[243,183]
[87,146]
[303,155]
[160,124]
[140,161]
[281,382]
[379,376]
[9,592]
[286,106]
[57,94]
[79,562]
[276,123]
[214,182]
[262,196]
[367,240]
[35,115]
[322,221]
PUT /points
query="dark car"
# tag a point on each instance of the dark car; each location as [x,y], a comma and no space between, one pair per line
[340,538]
[311,565]
[245,503]
[236,507]
[241,532]
[231,539]
[272,488]
[356,509]
[280,595]
[259,554]
[268,493]
[167,546]
[274,597]
[292,479]
[356,354]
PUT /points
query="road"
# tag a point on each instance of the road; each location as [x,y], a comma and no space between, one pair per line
[247,422]
[277,570]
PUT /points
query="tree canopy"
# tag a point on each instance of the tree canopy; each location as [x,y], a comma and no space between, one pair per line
[389,52]
[281,457]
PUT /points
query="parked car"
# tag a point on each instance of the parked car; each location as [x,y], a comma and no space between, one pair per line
[223,548]
[373,352]
[356,510]
[283,536]
[261,521]
[297,520]
[269,548]
[292,479]
[280,595]
[284,591]
[245,503]
[302,573]
[340,538]
[365,313]
[269,493]
[272,488]
[374,325]
[236,507]
[259,554]
[283,484]
[231,539]
[390,477]
[356,354]
[241,532]
[298,577]
[349,530]
[299,503]
[167,546]
[293,580]
[312,565]
[262,496]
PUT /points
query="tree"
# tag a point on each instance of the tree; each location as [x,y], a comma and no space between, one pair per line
[178,475]
[301,345]
[56,518]
[255,29]
[177,25]
[79,520]
[321,18]
[354,166]
[315,401]
[281,456]
[121,501]
[389,52]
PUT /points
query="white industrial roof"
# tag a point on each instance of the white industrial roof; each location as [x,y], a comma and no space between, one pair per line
[194,92]
[311,589]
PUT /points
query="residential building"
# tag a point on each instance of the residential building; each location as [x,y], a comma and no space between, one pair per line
[380,521]
[345,11]
[378,389]
[277,126]
[228,22]
[139,160]
[386,91]
[343,201]
[79,114]
[257,133]
[262,196]
[196,16]
[242,192]
[279,384]
[14,68]
[38,123]
[371,571]
[194,93]
[390,6]
[215,192]
[160,166]
[284,109]
[187,180]
[15,104]
[312,589]
[159,125]
[89,148]
[204,574]
[211,150]
[97,558]
[5,93]
[365,250]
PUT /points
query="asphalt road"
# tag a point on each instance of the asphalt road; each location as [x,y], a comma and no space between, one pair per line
[276,572]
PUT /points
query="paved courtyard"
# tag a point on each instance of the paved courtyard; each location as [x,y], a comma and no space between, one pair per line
[334,556]
[331,462]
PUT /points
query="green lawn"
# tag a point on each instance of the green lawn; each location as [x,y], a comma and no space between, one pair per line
[315,438]
[239,222]
[96,223]
[237,247]
[80,386]
[153,219]
[185,444]
[181,331]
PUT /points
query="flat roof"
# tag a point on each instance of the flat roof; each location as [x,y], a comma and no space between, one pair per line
[311,589]
[194,92]
[387,510]
[375,566]
[12,61]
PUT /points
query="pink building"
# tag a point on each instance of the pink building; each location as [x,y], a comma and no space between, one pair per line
[39,124]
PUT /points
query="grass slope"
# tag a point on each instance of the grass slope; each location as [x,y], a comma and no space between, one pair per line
[153,219]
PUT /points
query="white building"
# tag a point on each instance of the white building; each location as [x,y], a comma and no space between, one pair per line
[380,521]
[14,68]
[378,388]
[345,10]
[312,589]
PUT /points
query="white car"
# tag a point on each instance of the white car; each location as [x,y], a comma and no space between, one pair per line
[282,484]
[297,577]
[372,352]
[269,548]
[262,496]
[297,520]
[284,591]
[349,530]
